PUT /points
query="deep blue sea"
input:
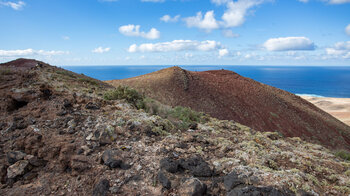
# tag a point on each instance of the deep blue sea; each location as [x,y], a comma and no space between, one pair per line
[331,81]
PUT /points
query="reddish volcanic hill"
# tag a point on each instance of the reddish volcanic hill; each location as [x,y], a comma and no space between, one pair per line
[226,95]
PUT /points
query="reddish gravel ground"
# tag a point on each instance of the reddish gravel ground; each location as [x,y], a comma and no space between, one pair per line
[227,95]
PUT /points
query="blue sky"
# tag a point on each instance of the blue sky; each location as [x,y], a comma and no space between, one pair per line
[176,32]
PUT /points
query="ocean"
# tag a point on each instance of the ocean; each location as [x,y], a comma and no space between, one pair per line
[330,81]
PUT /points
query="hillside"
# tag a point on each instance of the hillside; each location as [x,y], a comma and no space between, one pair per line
[228,96]
[59,136]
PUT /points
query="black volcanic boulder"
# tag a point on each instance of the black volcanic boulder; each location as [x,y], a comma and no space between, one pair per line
[101,189]
[14,156]
[169,164]
[112,160]
[192,187]
[164,180]
[197,166]
[232,180]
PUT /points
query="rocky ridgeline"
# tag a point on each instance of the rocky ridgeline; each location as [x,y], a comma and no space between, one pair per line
[60,137]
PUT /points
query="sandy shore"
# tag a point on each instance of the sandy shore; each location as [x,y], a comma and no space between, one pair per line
[338,107]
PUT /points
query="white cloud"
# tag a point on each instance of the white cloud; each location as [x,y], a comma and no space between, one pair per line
[134,31]
[289,43]
[207,22]
[101,50]
[338,1]
[347,30]
[220,2]
[223,52]
[167,18]
[340,49]
[229,33]
[329,1]
[30,52]
[233,16]
[176,45]
[16,6]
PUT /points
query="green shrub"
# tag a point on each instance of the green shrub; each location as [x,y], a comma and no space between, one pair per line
[186,116]
[343,154]
[66,73]
[130,95]
[5,72]
[88,80]
[181,117]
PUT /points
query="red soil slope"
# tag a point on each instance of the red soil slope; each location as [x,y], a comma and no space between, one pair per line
[226,95]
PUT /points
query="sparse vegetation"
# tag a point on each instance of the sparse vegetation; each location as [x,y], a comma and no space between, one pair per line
[66,73]
[343,154]
[5,72]
[129,94]
[186,116]
[88,80]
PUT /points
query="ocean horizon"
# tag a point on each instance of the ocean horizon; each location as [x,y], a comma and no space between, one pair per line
[317,81]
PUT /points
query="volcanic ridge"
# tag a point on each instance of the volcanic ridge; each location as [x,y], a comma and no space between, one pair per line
[228,96]
[64,133]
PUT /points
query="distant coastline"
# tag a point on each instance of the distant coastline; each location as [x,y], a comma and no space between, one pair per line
[331,81]
[338,107]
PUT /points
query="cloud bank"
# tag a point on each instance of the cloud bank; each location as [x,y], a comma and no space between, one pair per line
[30,52]
[234,15]
[16,6]
[176,45]
[134,31]
[101,50]
[289,43]
[339,50]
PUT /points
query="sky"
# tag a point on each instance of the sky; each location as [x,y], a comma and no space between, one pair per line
[176,32]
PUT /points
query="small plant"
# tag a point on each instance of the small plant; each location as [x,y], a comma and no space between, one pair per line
[187,116]
[88,80]
[5,72]
[130,95]
[66,73]
[343,154]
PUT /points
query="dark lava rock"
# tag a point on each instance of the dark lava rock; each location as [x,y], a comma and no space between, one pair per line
[3,173]
[80,163]
[92,106]
[17,169]
[192,187]
[257,191]
[14,156]
[105,139]
[67,103]
[101,189]
[169,164]
[193,126]
[110,158]
[197,166]
[35,161]
[45,92]
[30,176]
[164,180]
[304,193]
[232,180]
